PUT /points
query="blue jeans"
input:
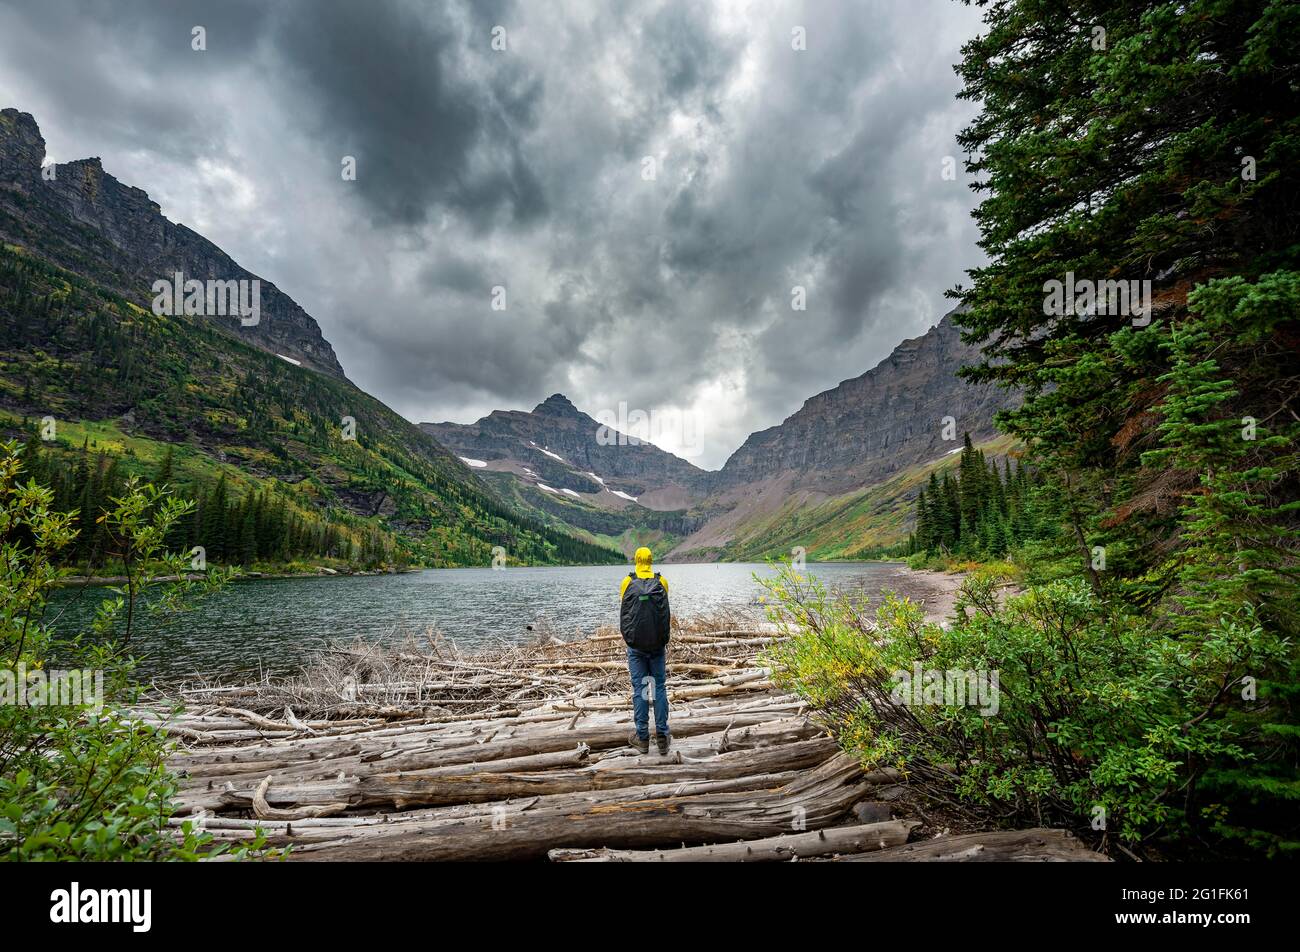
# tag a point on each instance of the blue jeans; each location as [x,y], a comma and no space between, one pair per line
[648,675]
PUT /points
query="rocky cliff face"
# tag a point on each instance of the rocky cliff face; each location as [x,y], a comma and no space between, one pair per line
[872,426]
[85,220]
[558,445]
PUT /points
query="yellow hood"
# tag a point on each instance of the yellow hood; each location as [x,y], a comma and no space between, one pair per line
[644,562]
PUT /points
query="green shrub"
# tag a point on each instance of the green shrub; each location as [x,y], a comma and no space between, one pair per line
[1096,719]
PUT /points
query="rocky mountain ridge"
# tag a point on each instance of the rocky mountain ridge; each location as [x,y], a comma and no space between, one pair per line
[84,219]
[867,428]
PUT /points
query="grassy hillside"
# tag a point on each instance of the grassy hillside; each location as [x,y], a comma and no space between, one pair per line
[132,383]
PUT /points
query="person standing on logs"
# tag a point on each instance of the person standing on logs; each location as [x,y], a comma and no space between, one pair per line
[644,619]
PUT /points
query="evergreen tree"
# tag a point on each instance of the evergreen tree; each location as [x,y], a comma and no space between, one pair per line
[213,530]
[164,474]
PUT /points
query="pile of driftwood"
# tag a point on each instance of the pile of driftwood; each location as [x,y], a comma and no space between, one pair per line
[423,752]
[434,677]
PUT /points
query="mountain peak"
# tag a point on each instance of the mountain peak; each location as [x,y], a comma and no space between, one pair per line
[22,148]
[557,404]
[14,122]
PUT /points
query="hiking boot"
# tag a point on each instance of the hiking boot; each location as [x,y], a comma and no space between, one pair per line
[664,741]
[642,744]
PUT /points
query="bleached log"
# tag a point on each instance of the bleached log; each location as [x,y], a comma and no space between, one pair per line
[717,638]
[1039,845]
[257,720]
[620,666]
[834,840]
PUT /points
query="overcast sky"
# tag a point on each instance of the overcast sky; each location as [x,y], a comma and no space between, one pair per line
[525,168]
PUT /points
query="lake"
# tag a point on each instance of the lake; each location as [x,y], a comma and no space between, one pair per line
[275,624]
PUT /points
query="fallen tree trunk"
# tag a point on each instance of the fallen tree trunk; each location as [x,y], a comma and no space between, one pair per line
[839,839]
[1038,845]
[775,745]
[412,748]
[306,775]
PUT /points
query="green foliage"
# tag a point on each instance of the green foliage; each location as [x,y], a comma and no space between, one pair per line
[1170,153]
[266,525]
[79,778]
[1093,714]
[1239,538]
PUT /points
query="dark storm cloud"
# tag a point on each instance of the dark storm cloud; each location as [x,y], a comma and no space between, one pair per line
[106,68]
[452,273]
[386,82]
[523,169]
[689,55]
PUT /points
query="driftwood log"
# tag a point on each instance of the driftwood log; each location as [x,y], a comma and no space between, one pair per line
[1007,846]
[827,842]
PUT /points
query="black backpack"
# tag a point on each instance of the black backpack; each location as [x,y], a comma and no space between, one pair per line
[644,618]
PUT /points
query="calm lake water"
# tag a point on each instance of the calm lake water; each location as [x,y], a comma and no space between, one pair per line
[276,624]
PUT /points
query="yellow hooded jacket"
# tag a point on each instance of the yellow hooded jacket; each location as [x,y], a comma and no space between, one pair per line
[644,569]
